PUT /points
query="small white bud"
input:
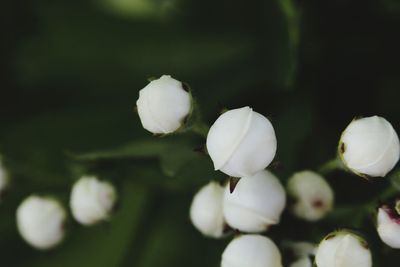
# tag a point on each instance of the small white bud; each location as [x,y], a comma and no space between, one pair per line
[4,178]
[241,142]
[389,225]
[313,195]
[302,262]
[369,147]
[251,251]
[92,200]
[40,221]
[206,210]
[256,203]
[163,105]
[343,249]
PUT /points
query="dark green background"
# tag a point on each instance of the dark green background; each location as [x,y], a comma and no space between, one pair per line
[71,72]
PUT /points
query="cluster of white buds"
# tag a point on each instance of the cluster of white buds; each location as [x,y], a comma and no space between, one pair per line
[206,210]
[163,105]
[241,142]
[388,224]
[251,250]
[92,200]
[343,249]
[4,177]
[40,221]
[369,147]
[256,203]
[313,195]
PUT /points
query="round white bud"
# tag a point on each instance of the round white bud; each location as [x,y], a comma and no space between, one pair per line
[241,142]
[369,147]
[302,262]
[206,210]
[256,203]
[343,249]
[40,221]
[163,105]
[3,177]
[251,250]
[313,195]
[92,200]
[388,227]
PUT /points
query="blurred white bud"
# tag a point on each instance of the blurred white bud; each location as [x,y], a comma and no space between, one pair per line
[251,251]
[302,262]
[313,195]
[4,179]
[163,105]
[206,210]
[241,142]
[343,249]
[256,203]
[40,221]
[369,147]
[92,200]
[389,225]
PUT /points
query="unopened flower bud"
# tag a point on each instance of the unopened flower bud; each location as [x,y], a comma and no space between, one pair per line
[313,195]
[241,142]
[40,221]
[206,210]
[389,224]
[369,147]
[343,249]
[92,200]
[251,250]
[302,252]
[163,105]
[3,177]
[256,203]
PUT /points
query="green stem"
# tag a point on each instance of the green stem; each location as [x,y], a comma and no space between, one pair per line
[330,166]
[200,128]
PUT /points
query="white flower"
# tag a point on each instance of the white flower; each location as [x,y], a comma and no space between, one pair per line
[92,200]
[3,177]
[389,225]
[302,262]
[206,210]
[369,147]
[163,105]
[313,195]
[241,142]
[40,221]
[343,249]
[256,203]
[251,251]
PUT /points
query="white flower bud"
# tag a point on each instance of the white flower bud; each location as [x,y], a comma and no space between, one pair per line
[241,142]
[302,262]
[343,249]
[389,225]
[206,210]
[40,221]
[369,147]
[163,105]
[313,195]
[251,251]
[92,200]
[3,177]
[256,203]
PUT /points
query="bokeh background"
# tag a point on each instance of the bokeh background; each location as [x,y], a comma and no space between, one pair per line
[70,76]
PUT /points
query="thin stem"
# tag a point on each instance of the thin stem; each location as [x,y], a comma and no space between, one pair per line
[330,166]
[200,128]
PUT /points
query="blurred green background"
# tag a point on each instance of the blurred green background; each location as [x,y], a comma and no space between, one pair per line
[71,72]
